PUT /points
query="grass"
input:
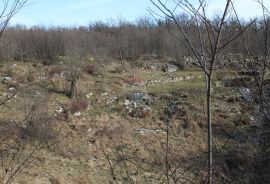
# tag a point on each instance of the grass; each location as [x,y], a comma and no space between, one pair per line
[192,84]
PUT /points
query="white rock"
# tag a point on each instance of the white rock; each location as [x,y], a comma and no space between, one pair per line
[59,110]
[37,94]
[77,114]
[12,89]
[13,66]
[127,102]
[89,95]
[7,79]
[104,94]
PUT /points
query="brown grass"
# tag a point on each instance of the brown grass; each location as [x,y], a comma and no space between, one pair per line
[78,105]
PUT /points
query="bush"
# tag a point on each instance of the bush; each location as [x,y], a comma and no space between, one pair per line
[41,125]
[54,70]
[78,105]
[118,69]
[31,76]
[91,69]
[133,80]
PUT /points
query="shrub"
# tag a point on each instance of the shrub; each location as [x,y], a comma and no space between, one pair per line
[91,69]
[78,105]
[41,125]
[53,70]
[31,76]
[118,69]
[134,80]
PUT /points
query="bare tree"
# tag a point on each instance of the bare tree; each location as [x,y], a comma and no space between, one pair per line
[8,10]
[256,63]
[206,48]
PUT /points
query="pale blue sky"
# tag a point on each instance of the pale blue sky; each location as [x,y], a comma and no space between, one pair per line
[80,12]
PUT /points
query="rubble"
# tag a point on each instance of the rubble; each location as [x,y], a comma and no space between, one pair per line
[137,104]
[136,96]
[170,68]
[112,99]
[6,79]
[154,66]
[149,131]
[246,94]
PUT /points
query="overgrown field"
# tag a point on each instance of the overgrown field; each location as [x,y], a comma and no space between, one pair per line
[126,123]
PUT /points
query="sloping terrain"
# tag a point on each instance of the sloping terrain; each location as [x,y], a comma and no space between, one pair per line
[131,124]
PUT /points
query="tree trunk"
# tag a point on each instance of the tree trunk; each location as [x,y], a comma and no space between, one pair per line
[209,118]
[73,87]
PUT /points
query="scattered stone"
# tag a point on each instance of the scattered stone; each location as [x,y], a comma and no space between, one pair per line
[43,77]
[92,140]
[170,68]
[104,94]
[13,66]
[112,99]
[89,95]
[77,114]
[6,79]
[136,96]
[154,66]
[219,84]
[12,89]
[246,94]
[59,110]
[148,131]
[37,94]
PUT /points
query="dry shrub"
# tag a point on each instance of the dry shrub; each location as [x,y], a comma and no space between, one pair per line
[91,70]
[59,85]
[41,124]
[108,131]
[118,69]
[34,65]
[140,112]
[31,76]
[78,105]
[134,80]
[51,70]
[54,181]
[238,160]
[11,132]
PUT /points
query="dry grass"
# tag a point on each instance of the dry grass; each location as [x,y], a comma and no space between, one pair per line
[79,157]
[78,105]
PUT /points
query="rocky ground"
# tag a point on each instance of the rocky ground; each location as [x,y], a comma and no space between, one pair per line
[127,124]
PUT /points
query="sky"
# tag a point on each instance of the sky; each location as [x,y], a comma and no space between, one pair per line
[81,12]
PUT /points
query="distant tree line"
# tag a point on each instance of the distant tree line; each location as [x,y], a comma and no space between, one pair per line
[122,40]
